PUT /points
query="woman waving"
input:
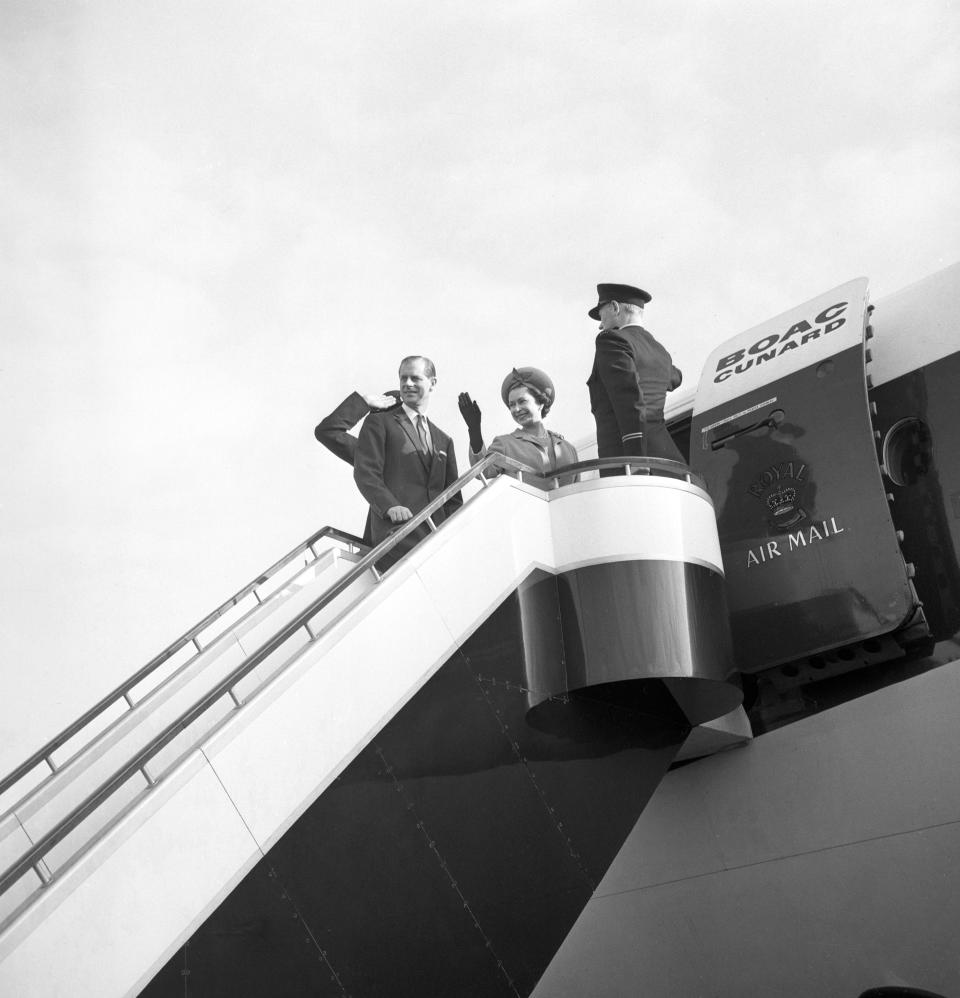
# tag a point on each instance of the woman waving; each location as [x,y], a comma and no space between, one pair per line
[529,394]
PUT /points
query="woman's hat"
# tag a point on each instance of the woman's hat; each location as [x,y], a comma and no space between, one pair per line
[533,378]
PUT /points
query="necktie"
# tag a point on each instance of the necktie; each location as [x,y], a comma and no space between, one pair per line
[424,436]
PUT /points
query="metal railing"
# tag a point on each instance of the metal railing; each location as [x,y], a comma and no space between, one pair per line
[33,858]
[122,692]
[659,466]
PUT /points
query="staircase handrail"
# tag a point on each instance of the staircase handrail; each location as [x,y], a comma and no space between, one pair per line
[45,753]
[34,856]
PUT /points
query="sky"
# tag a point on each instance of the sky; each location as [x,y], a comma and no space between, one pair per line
[220,218]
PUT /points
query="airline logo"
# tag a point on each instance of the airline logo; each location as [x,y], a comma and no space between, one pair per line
[806,335]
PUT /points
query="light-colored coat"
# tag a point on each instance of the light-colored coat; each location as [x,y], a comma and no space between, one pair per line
[544,455]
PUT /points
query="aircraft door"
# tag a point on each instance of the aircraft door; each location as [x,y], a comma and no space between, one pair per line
[783,436]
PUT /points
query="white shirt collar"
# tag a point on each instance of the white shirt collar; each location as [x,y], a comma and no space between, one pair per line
[412,414]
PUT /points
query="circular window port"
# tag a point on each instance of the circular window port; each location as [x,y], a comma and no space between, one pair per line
[907,451]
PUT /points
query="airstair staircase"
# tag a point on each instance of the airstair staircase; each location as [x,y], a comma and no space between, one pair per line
[122,835]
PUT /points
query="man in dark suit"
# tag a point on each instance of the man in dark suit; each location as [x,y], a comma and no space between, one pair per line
[404,461]
[631,376]
[333,431]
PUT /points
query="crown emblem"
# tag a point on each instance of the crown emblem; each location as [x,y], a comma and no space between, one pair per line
[781,501]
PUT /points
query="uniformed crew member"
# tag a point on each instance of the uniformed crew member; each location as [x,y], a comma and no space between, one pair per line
[631,376]
[529,394]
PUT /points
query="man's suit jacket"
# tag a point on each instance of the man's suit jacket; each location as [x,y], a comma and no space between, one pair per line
[391,470]
[333,430]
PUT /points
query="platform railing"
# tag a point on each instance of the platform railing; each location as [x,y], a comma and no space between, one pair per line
[191,636]
[659,466]
[492,463]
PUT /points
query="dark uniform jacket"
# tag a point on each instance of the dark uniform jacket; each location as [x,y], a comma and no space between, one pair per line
[631,376]
[391,470]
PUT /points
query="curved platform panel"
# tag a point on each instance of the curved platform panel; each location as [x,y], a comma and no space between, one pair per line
[635,615]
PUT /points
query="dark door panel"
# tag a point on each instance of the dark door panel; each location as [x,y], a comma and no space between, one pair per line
[783,436]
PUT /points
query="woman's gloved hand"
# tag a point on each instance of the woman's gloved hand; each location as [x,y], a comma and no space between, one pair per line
[471,416]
